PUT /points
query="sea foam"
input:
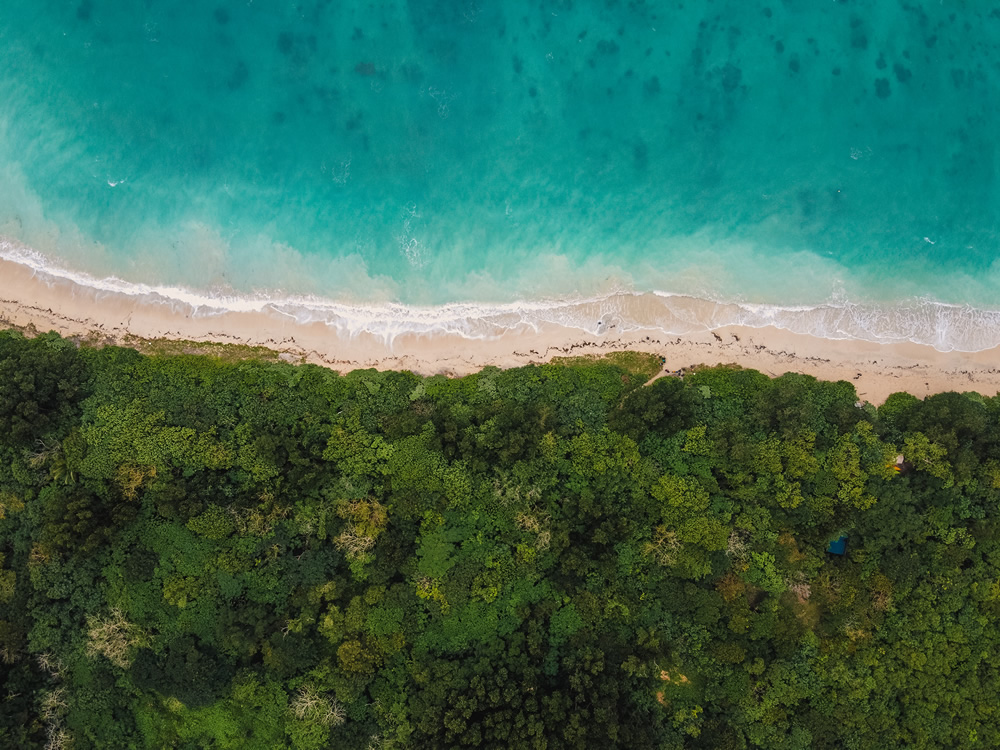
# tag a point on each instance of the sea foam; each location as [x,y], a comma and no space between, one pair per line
[945,327]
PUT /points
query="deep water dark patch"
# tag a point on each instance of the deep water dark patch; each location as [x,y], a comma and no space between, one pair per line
[354,121]
[640,155]
[731,78]
[607,47]
[859,39]
[698,59]
[238,78]
[903,74]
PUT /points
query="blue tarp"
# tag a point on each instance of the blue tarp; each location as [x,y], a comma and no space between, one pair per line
[838,546]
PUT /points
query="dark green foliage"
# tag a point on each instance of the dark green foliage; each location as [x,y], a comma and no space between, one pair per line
[41,380]
[200,553]
[188,670]
[663,407]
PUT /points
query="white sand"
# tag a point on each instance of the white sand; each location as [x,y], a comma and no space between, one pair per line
[30,299]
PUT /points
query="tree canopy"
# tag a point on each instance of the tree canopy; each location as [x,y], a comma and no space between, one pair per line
[202,553]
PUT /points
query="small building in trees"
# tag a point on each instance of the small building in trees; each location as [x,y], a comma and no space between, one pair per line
[838,546]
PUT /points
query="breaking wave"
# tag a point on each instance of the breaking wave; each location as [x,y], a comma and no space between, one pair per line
[945,327]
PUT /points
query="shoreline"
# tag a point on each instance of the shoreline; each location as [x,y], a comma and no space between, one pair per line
[33,299]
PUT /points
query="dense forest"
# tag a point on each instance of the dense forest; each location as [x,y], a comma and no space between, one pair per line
[202,551]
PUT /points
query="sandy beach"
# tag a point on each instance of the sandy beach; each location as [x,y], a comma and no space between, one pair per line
[32,299]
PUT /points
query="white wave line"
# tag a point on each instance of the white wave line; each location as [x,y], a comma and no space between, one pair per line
[945,326]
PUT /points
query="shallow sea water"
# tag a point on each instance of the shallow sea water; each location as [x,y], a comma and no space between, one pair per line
[778,154]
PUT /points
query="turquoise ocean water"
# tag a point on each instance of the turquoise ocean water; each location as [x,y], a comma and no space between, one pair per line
[832,166]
